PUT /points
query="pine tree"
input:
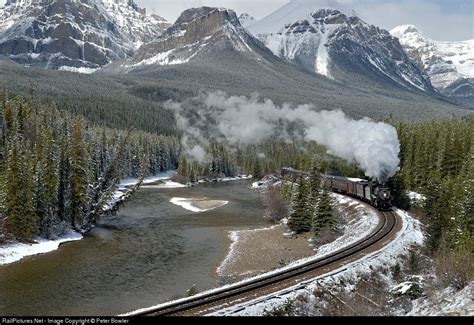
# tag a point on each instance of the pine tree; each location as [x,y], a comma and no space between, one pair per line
[302,211]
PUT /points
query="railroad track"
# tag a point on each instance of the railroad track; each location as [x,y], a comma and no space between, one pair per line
[252,289]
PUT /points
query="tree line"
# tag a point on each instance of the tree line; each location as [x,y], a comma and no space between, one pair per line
[58,171]
[437,160]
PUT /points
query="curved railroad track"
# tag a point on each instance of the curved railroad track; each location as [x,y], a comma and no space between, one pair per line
[249,290]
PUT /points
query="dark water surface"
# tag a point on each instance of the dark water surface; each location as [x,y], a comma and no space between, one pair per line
[150,252]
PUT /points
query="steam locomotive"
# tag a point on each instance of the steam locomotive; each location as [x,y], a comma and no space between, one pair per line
[378,195]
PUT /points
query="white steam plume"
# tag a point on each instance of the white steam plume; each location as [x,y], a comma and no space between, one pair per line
[374,146]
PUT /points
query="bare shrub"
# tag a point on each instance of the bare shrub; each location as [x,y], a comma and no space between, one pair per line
[369,296]
[455,267]
[276,207]
[180,179]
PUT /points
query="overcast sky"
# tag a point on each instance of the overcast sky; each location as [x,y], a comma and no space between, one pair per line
[438,19]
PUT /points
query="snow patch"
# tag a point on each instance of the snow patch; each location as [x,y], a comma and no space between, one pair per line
[125,184]
[322,56]
[166,184]
[11,253]
[82,70]
[416,197]
[190,204]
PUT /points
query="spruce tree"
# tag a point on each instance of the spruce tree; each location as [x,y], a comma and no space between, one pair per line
[302,212]
[324,216]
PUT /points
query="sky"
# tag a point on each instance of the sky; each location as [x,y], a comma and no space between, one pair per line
[442,20]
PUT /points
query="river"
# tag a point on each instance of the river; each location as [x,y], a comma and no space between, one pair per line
[150,252]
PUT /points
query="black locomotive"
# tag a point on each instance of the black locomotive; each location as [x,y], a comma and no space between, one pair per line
[378,195]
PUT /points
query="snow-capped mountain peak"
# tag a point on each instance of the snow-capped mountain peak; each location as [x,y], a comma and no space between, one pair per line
[134,22]
[330,42]
[404,29]
[194,32]
[449,65]
[74,35]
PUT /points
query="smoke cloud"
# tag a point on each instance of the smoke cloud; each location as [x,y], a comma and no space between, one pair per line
[373,146]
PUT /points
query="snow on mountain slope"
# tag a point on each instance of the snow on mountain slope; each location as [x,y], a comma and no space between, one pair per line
[326,40]
[246,20]
[134,22]
[449,65]
[74,35]
[196,31]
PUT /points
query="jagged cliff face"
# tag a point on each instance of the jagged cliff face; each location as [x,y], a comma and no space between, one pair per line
[71,34]
[196,31]
[449,65]
[134,22]
[327,41]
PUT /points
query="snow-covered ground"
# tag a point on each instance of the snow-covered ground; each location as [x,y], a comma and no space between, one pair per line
[124,186]
[416,198]
[14,252]
[82,70]
[266,182]
[410,234]
[230,179]
[446,302]
[165,184]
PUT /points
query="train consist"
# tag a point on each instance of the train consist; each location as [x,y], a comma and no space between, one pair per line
[378,195]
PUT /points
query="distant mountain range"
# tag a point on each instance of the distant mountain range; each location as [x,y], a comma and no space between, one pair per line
[333,44]
[213,47]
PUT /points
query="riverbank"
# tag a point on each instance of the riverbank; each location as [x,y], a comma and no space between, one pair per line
[128,185]
[14,251]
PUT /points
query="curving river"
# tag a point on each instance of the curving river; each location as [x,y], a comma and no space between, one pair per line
[150,252]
